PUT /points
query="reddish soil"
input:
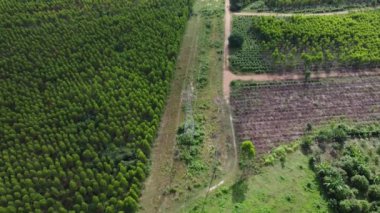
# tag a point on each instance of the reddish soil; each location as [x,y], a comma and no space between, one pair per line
[273,113]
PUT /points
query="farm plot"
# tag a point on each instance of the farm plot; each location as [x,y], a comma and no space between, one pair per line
[271,113]
[314,43]
[249,57]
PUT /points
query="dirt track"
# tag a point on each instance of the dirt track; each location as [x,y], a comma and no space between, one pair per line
[162,168]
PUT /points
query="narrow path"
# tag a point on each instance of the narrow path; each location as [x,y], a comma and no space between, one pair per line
[162,168]
[226,71]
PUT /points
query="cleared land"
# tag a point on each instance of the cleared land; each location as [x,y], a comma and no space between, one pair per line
[273,113]
[276,189]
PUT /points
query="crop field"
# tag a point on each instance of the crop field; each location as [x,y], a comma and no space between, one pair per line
[273,113]
[299,6]
[249,57]
[298,43]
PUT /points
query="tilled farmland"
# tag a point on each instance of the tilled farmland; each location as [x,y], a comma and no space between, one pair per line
[273,113]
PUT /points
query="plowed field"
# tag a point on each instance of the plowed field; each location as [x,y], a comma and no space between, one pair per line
[272,113]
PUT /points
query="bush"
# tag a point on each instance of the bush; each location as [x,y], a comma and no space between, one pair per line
[365,206]
[236,5]
[351,205]
[340,135]
[306,144]
[374,193]
[248,150]
[360,182]
[235,41]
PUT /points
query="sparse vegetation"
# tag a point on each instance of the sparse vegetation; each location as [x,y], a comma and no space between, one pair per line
[190,139]
[347,178]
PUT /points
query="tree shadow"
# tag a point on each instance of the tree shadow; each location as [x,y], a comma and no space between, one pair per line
[239,189]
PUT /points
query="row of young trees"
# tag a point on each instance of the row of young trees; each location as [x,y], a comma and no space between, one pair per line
[82,88]
[349,41]
[297,5]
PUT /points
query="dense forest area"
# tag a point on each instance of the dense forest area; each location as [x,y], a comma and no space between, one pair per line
[315,43]
[346,162]
[82,88]
[301,5]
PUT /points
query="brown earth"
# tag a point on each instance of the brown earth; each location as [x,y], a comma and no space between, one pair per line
[277,113]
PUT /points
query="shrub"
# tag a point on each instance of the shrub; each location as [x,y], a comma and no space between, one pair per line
[306,144]
[247,155]
[235,41]
[360,182]
[374,193]
[236,5]
[353,205]
[365,206]
[340,135]
[248,150]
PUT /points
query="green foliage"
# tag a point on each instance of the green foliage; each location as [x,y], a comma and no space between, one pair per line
[247,156]
[248,150]
[310,42]
[82,88]
[237,5]
[349,167]
[190,138]
[235,41]
[268,191]
[360,182]
[350,205]
[302,5]
[248,58]
[374,192]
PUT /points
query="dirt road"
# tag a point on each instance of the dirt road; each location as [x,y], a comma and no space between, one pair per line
[162,169]
[227,32]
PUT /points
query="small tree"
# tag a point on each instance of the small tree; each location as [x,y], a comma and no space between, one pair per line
[307,75]
[350,205]
[235,41]
[374,193]
[360,182]
[248,149]
[247,155]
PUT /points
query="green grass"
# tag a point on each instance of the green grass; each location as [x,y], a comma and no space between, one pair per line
[280,188]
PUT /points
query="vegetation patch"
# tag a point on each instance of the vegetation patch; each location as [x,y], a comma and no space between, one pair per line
[82,89]
[245,54]
[309,43]
[346,167]
[190,138]
[289,188]
[301,5]
[336,171]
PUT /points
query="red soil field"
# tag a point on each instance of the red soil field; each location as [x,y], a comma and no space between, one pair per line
[274,113]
